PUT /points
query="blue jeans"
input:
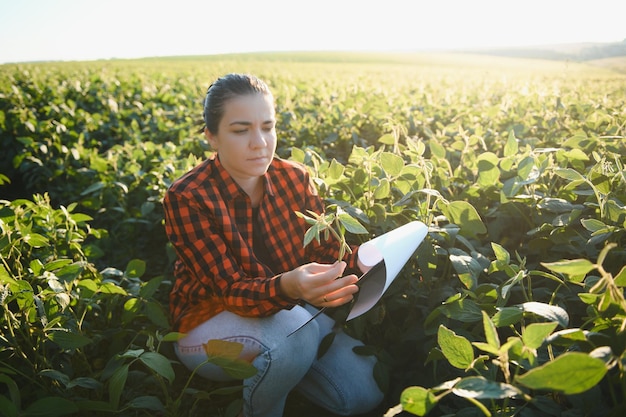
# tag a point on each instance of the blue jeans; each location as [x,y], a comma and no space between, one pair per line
[340,381]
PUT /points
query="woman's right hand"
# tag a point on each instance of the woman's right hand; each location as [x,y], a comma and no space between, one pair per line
[320,284]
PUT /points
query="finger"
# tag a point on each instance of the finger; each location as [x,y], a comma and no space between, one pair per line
[338,298]
[345,291]
[340,283]
[317,268]
[320,274]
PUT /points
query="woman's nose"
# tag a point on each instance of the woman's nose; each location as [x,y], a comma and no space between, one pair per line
[258,139]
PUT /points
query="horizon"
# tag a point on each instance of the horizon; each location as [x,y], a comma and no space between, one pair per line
[72,30]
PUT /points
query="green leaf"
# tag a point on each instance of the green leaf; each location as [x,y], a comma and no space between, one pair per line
[149,288]
[35,240]
[593,225]
[335,170]
[71,272]
[534,334]
[507,316]
[80,217]
[550,312]
[464,310]
[14,391]
[383,190]
[93,187]
[36,266]
[174,336]
[491,334]
[558,205]
[570,373]
[154,311]
[501,253]
[147,402]
[436,149]
[297,154]
[159,364]
[223,348]
[312,233]
[238,369]
[85,382]
[466,217]
[68,340]
[56,375]
[391,163]
[574,267]
[135,268]
[5,277]
[569,174]
[57,264]
[112,288]
[9,409]
[467,268]
[51,407]
[387,139]
[511,147]
[417,400]
[116,385]
[351,224]
[620,278]
[486,347]
[457,349]
[482,388]
[488,170]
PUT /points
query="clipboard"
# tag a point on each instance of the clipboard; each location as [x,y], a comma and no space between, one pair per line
[387,254]
[376,270]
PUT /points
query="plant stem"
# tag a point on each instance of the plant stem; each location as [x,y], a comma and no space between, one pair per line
[479,405]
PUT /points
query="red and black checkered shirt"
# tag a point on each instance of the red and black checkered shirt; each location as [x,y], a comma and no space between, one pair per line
[209,221]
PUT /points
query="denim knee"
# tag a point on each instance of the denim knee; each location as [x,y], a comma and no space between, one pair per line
[281,366]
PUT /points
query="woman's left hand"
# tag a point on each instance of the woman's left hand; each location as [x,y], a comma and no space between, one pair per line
[320,284]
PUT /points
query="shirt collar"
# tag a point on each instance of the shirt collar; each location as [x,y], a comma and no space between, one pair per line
[231,189]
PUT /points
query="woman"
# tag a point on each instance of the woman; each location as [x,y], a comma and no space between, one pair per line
[243,273]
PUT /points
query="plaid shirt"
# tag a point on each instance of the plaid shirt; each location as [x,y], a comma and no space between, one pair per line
[208,219]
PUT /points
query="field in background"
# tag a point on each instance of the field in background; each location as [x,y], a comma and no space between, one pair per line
[517,166]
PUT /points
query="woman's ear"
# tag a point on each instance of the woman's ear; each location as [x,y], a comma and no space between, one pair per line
[210,138]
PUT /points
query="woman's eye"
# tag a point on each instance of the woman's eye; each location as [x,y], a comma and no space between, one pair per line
[240,131]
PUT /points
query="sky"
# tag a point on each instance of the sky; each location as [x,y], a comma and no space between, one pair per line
[43,30]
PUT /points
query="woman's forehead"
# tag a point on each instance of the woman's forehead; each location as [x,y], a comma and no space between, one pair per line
[249,106]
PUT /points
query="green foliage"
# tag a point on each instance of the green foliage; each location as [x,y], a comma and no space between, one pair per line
[513,305]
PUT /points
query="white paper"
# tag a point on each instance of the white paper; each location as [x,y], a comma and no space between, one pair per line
[394,248]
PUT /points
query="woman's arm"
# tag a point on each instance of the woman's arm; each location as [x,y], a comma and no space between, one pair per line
[207,257]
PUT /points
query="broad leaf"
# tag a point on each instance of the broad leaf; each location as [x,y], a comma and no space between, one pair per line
[482,388]
[534,334]
[570,373]
[147,402]
[491,334]
[466,217]
[51,407]
[574,267]
[391,163]
[457,349]
[417,400]
[67,339]
[351,224]
[135,268]
[159,364]
[550,312]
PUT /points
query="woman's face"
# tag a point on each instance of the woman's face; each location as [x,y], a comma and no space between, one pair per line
[246,136]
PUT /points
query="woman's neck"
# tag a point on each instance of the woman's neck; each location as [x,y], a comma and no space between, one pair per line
[254,188]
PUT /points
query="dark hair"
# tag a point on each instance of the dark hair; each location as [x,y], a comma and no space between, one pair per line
[225,88]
